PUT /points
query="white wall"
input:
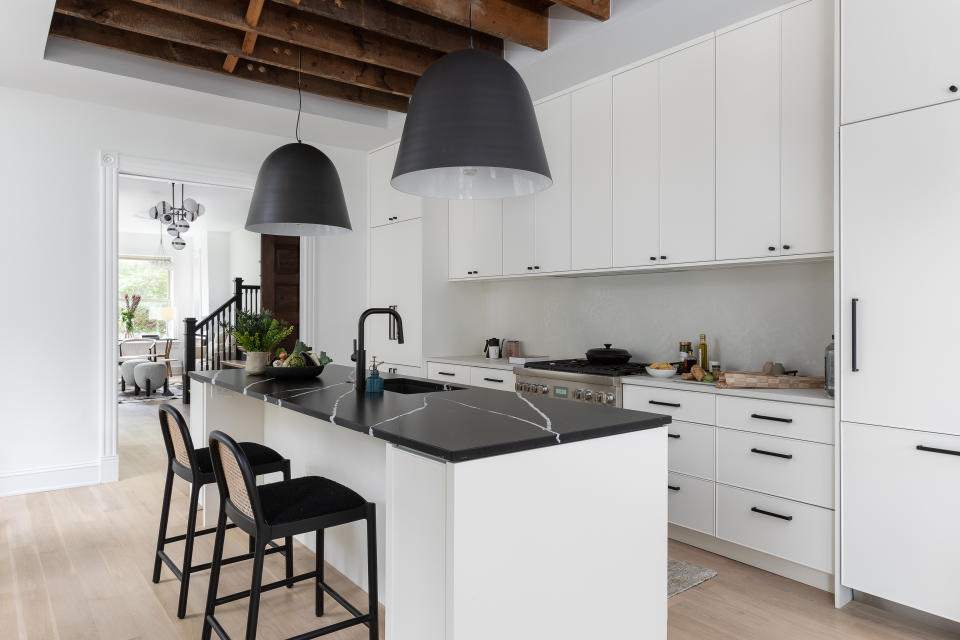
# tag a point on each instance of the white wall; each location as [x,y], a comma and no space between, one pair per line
[245,256]
[49,163]
[219,275]
[750,314]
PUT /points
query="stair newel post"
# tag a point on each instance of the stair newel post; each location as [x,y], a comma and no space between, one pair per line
[189,354]
[237,308]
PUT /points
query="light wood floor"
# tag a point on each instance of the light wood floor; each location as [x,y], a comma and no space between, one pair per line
[76,564]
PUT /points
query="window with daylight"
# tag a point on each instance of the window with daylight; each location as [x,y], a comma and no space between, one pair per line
[146,286]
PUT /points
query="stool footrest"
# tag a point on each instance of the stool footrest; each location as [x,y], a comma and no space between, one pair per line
[241,558]
[267,587]
[340,600]
[202,532]
[333,628]
[170,564]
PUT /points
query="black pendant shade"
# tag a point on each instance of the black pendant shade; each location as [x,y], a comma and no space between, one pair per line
[471,132]
[298,193]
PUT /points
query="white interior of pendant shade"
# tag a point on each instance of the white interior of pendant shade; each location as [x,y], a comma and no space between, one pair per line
[471,183]
[296,229]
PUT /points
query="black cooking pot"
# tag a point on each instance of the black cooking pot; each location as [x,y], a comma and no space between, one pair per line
[608,355]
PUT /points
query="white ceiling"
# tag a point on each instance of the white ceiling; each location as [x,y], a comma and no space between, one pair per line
[580,48]
[226,208]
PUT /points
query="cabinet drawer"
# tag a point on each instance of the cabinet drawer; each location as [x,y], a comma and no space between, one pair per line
[688,406]
[448,372]
[492,378]
[789,468]
[691,449]
[791,530]
[801,421]
[690,502]
[900,520]
[400,369]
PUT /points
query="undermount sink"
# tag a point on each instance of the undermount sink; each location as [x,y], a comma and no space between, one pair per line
[406,385]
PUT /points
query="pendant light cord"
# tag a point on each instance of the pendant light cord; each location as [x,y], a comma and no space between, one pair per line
[470,22]
[299,90]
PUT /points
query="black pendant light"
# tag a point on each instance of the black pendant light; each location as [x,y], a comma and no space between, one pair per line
[471,132]
[298,192]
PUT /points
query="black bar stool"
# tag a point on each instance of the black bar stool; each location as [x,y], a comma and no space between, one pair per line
[277,510]
[196,467]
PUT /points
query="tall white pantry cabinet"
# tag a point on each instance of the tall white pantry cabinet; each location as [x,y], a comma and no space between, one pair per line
[899,218]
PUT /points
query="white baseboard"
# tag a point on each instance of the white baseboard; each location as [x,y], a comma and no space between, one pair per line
[754,558]
[50,478]
[909,613]
[109,468]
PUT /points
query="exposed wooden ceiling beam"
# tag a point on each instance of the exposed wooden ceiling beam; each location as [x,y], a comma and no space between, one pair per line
[68,26]
[522,21]
[157,23]
[250,37]
[399,22]
[308,30]
[599,9]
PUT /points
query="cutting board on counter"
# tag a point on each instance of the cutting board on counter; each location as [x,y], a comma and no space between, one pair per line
[760,380]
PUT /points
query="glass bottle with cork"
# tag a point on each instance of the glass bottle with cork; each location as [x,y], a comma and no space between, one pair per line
[702,358]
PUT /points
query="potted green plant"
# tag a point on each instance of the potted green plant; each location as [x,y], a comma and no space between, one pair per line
[259,333]
[129,312]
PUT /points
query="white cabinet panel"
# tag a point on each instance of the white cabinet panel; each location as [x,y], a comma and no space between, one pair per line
[785,419]
[501,379]
[387,205]
[461,241]
[592,190]
[687,180]
[900,198]
[806,205]
[552,206]
[395,280]
[690,502]
[691,449]
[899,519]
[448,372]
[748,141]
[636,166]
[475,243]
[689,406]
[897,55]
[519,235]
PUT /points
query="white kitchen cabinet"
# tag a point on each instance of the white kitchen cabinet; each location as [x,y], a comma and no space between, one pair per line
[636,166]
[691,450]
[689,406]
[806,129]
[592,176]
[399,369]
[690,502]
[897,55]
[519,235]
[687,158]
[899,520]
[900,197]
[387,205]
[552,206]
[448,372]
[475,230]
[501,379]
[748,141]
[396,281]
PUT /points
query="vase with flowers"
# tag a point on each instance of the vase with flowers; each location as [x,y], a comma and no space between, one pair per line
[129,312]
[258,333]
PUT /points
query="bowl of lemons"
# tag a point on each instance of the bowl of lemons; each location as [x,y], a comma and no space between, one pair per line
[661,370]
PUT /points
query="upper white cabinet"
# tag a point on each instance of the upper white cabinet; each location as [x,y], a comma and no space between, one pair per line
[899,201]
[807,139]
[748,140]
[592,189]
[687,155]
[552,206]
[475,238]
[636,166]
[519,235]
[387,205]
[897,55]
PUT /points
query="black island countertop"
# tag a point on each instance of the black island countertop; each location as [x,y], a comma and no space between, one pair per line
[457,425]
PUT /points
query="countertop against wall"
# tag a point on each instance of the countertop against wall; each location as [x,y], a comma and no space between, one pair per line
[473,361]
[800,396]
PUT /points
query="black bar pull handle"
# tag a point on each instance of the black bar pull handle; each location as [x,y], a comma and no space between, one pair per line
[665,404]
[772,418]
[673,435]
[446,373]
[853,334]
[673,487]
[785,456]
[494,380]
[771,513]
[949,452]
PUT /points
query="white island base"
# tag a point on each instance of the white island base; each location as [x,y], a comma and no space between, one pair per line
[565,542]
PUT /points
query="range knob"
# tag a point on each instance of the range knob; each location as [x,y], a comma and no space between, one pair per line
[611,398]
[544,389]
[588,395]
[578,394]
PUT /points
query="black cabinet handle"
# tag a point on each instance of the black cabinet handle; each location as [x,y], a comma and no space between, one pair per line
[673,487]
[772,418]
[786,246]
[785,456]
[953,88]
[673,435]
[949,452]
[536,266]
[663,257]
[853,334]
[653,257]
[665,404]
[494,380]
[771,248]
[446,373]
[529,268]
[771,514]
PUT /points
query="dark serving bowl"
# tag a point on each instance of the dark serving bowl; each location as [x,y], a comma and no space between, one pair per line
[293,373]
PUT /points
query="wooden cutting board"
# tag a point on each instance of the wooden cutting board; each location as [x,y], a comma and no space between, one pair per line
[760,380]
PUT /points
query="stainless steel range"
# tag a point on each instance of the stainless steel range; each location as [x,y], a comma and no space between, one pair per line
[577,380]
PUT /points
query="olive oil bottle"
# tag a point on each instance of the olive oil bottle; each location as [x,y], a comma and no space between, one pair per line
[702,358]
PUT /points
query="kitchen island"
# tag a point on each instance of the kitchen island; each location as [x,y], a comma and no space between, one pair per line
[502,516]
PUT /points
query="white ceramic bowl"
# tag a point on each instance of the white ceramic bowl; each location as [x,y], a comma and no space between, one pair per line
[662,373]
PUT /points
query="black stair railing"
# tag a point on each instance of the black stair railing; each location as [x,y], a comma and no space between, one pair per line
[206,343]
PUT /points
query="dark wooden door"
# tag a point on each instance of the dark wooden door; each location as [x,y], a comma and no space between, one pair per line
[280,280]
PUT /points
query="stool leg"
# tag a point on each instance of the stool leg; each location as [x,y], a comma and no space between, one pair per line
[148,387]
[214,572]
[254,608]
[372,571]
[188,550]
[164,515]
[288,541]
[319,588]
